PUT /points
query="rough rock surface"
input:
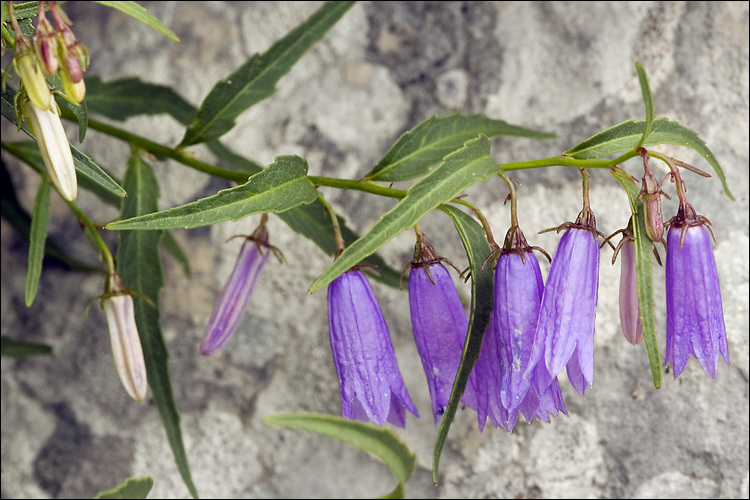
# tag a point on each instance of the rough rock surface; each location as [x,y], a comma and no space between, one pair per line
[70,430]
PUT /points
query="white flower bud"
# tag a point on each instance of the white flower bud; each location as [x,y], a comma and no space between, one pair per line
[126,344]
[55,149]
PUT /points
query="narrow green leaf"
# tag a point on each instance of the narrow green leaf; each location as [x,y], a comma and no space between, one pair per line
[648,101]
[281,186]
[459,170]
[398,492]
[13,348]
[420,149]
[15,214]
[133,487]
[23,10]
[127,97]
[84,165]
[256,79]
[482,292]
[625,136]
[233,159]
[379,441]
[644,248]
[311,221]
[28,152]
[37,239]
[139,266]
[136,11]
[171,245]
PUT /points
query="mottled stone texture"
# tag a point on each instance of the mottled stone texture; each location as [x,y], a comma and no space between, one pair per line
[68,427]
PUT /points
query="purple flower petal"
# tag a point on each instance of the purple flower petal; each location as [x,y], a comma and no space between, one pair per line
[371,383]
[235,297]
[518,295]
[483,389]
[695,317]
[568,311]
[439,323]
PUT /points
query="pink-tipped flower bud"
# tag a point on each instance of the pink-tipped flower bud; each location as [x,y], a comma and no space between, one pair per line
[76,91]
[123,334]
[45,44]
[55,149]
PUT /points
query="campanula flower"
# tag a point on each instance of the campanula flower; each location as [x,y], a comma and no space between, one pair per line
[695,318]
[439,323]
[518,295]
[123,335]
[371,383]
[235,297]
[565,332]
[55,148]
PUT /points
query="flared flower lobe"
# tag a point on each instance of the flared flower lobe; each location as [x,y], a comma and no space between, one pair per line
[371,383]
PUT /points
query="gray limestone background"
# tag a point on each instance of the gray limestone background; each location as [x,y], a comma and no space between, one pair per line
[70,430]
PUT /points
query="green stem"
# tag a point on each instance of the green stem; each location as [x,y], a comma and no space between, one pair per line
[106,254]
[340,244]
[485,224]
[568,162]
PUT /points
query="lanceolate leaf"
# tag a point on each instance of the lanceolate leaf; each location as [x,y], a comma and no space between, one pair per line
[13,348]
[138,12]
[422,148]
[17,216]
[644,269]
[459,170]
[256,79]
[366,436]
[482,293]
[281,186]
[171,245]
[648,101]
[128,97]
[84,165]
[314,223]
[133,487]
[139,266]
[37,239]
[625,136]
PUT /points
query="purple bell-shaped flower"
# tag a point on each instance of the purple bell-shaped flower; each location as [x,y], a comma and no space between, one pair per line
[371,383]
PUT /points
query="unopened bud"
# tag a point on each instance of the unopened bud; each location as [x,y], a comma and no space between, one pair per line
[651,195]
[630,312]
[123,334]
[76,91]
[45,44]
[27,67]
[55,149]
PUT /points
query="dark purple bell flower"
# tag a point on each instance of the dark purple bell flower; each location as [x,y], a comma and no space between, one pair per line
[439,323]
[371,383]
[695,318]
[518,295]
